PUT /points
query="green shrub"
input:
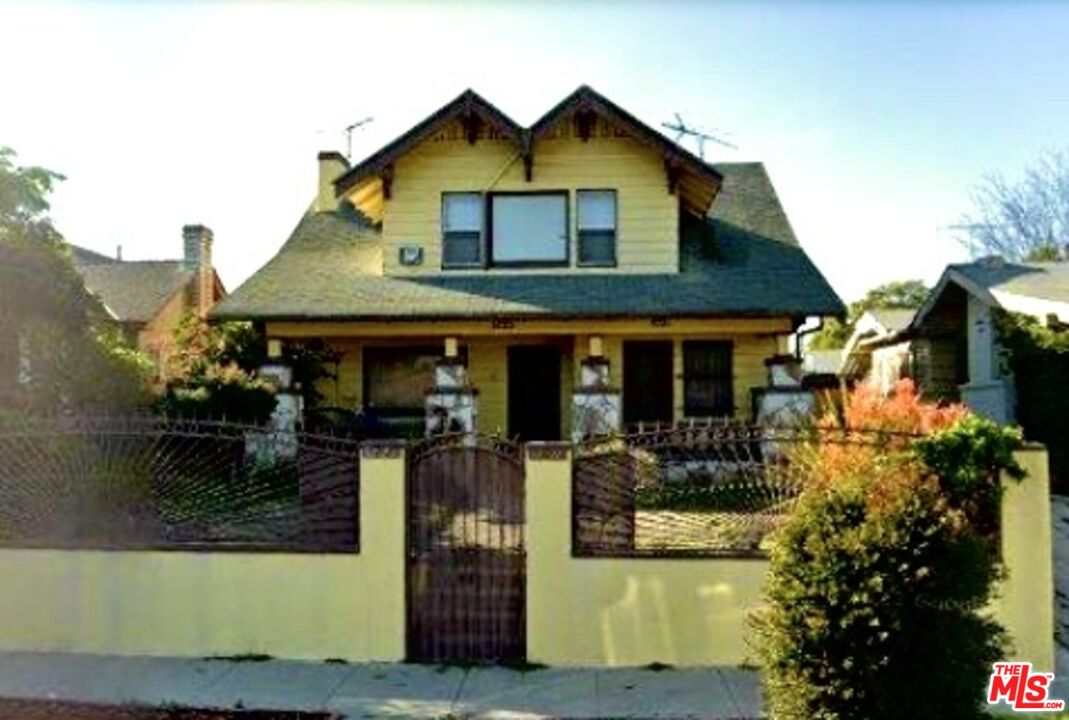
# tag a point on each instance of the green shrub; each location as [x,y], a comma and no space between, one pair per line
[878,579]
[1038,357]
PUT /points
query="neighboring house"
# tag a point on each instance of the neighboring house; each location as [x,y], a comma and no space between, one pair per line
[148,298]
[962,355]
[879,350]
[822,362]
[538,272]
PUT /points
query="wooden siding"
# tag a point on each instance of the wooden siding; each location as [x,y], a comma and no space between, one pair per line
[647,215]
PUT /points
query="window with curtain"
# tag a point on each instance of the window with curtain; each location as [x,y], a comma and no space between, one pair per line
[529,229]
[462,229]
[596,221]
[708,388]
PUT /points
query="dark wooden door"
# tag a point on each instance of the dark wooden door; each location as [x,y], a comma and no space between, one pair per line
[647,381]
[466,557]
[534,392]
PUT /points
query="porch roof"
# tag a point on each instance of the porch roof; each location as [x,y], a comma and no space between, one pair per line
[749,265]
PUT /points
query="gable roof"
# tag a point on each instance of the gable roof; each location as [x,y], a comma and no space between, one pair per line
[875,328]
[135,291]
[468,104]
[587,99]
[1037,289]
[704,180]
[752,266]
[893,320]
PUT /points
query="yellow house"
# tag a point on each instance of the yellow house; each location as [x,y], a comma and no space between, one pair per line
[584,256]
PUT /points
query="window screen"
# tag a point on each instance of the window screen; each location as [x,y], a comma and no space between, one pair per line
[462,230]
[707,379]
[597,227]
[530,228]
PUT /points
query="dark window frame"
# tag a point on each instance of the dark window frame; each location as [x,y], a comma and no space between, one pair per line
[481,241]
[489,234]
[615,230]
[728,378]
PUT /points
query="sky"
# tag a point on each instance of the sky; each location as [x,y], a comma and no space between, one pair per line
[875,120]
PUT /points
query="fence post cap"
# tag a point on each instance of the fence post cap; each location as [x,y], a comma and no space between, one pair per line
[383,448]
[548,449]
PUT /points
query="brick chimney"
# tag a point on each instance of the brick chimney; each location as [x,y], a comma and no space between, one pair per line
[331,166]
[197,256]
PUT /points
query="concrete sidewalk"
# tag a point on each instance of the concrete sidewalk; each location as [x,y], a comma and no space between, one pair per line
[383,690]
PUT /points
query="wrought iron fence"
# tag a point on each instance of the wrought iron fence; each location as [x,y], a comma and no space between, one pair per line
[138,483]
[698,490]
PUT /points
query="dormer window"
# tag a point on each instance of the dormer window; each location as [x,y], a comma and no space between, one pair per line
[529,228]
[462,230]
[597,227]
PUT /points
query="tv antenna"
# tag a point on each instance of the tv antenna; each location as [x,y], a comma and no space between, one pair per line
[683,130]
[349,129]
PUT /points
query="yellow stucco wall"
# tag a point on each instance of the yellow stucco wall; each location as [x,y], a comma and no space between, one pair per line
[621,612]
[201,604]
[615,612]
[626,612]
[647,215]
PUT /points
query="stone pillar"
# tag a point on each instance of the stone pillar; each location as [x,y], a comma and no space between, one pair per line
[450,404]
[595,403]
[785,401]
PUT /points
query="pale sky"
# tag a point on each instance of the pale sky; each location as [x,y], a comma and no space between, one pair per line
[875,120]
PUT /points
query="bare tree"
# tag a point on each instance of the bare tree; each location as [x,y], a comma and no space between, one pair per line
[1026,220]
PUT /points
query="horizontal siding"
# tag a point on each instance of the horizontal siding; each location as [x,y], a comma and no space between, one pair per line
[647,215]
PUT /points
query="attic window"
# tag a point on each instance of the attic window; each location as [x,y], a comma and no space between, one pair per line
[462,230]
[597,227]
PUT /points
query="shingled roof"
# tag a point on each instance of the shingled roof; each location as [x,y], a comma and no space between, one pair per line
[131,291]
[1039,289]
[749,265]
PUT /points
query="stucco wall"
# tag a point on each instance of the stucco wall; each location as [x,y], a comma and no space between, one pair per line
[220,603]
[621,612]
[625,612]
[614,612]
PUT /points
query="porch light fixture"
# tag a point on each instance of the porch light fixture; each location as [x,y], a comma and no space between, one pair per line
[595,348]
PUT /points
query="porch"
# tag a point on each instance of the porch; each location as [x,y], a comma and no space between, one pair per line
[534,379]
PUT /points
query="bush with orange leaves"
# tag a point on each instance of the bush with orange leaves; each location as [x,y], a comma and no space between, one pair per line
[879,574]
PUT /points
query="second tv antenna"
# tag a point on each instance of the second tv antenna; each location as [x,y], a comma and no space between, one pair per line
[683,130]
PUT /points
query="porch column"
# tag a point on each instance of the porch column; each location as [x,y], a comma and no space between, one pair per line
[595,402]
[451,403]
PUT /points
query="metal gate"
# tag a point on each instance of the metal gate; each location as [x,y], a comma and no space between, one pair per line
[466,557]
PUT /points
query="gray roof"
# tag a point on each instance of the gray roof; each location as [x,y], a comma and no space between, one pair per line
[894,320]
[749,264]
[131,291]
[1048,280]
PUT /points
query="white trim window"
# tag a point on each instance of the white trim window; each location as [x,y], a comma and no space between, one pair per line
[462,230]
[529,228]
[596,215]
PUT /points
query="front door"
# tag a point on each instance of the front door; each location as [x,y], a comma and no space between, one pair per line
[647,381]
[534,392]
